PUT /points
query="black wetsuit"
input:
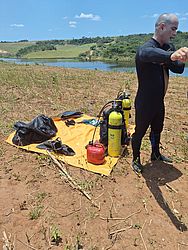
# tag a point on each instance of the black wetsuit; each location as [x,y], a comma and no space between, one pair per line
[151,61]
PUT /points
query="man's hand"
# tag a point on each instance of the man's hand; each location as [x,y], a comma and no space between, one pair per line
[180,55]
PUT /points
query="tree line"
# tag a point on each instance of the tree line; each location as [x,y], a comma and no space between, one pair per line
[119,48]
[123,48]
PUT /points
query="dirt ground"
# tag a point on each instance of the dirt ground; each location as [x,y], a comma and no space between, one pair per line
[39,209]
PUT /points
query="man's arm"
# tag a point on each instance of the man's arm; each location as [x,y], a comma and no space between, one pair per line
[154,55]
[178,58]
[176,67]
[174,60]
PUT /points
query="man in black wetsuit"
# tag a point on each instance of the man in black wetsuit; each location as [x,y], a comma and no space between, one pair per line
[153,61]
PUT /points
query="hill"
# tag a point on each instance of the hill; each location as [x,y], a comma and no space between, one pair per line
[12,48]
[39,209]
[116,49]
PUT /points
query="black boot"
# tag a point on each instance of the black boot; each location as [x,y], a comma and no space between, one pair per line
[136,144]
[156,155]
[137,166]
[160,157]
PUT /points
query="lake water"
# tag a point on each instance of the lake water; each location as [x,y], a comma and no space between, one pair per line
[97,65]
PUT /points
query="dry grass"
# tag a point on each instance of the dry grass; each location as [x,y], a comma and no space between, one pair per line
[31,188]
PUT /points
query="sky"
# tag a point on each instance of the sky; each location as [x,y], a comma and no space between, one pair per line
[67,19]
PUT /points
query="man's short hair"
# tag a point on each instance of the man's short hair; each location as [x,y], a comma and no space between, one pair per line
[165,18]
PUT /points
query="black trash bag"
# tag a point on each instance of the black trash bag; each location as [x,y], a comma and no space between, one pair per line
[40,129]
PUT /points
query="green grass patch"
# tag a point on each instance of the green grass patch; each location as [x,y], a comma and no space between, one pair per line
[63,51]
[12,48]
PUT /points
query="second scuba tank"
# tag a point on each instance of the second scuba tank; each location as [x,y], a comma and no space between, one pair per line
[126,106]
[115,122]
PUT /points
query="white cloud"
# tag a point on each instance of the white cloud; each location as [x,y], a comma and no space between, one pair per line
[17,25]
[72,24]
[155,15]
[89,16]
[183,18]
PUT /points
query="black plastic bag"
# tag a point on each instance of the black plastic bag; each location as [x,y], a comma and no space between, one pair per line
[40,129]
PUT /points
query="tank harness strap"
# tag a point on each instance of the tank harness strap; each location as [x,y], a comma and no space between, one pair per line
[115,126]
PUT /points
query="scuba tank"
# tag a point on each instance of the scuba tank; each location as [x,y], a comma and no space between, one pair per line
[126,106]
[113,132]
[115,122]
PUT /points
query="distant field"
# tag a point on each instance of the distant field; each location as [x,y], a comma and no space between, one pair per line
[63,51]
[14,47]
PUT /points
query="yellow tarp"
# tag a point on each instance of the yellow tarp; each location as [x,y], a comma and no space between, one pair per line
[76,137]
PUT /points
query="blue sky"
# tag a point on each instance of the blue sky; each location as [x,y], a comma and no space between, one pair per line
[67,19]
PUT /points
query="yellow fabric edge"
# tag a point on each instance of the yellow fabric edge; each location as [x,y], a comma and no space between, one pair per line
[77,137]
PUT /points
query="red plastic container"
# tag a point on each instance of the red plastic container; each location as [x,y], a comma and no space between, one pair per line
[96,153]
